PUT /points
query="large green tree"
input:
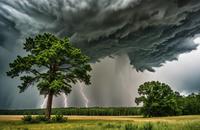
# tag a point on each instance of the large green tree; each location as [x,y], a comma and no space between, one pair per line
[158,99]
[51,64]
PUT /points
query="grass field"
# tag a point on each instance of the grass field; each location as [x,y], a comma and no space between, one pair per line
[106,123]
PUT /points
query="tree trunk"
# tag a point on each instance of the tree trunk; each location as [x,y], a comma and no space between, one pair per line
[49,105]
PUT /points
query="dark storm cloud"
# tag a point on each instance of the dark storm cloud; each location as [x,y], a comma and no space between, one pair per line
[150,32]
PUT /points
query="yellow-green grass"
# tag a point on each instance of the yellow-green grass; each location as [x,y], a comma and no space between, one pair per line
[106,122]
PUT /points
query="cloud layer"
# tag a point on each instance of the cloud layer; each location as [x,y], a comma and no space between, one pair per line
[149,32]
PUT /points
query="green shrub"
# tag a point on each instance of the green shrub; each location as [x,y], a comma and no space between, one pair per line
[33,121]
[131,127]
[30,119]
[41,118]
[27,118]
[58,118]
[37,119]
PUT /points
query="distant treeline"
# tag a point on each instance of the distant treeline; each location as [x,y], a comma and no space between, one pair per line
[93,111]
[189,105]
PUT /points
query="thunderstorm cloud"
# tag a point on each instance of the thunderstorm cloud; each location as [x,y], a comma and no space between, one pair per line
[147,32]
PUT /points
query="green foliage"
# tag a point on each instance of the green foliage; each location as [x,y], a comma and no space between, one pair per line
[94,111]
[59,118]
[190,105]
[144,126]
[30,119]
[40,118]
[158,99]
[27,118]
[52,63]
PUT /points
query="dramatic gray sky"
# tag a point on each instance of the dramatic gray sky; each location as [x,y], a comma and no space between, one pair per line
[129,42]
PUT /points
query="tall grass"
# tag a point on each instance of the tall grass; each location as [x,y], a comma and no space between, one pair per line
[104,125]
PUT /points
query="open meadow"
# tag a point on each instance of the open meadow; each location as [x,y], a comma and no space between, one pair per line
[10,122]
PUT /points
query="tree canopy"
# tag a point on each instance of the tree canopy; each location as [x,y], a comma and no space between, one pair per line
[190,105]
[158,99]
[51,64]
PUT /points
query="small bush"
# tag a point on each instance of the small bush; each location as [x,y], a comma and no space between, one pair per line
[58,118]
[41,118]
[30,119]
[131,127]
[27,118]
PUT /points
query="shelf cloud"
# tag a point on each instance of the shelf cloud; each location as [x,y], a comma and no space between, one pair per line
[148,32]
